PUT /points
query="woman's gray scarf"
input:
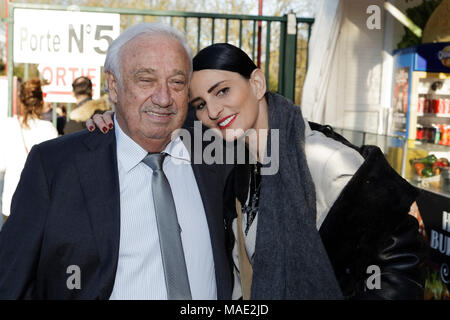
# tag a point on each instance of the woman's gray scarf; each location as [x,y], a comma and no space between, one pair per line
[290,260]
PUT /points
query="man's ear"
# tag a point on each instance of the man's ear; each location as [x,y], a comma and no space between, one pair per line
[112,86]
[258,83]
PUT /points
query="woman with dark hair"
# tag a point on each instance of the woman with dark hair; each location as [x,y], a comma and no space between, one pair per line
[327,219]
[18,134]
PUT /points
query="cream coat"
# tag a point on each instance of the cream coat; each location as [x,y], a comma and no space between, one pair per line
[13,151]
[332,165]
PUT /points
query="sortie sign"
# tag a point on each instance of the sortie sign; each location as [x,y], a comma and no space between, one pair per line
[60,78]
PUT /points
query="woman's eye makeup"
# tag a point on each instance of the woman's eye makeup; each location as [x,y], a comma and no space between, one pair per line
[222,91]
[199,106]
[202,104]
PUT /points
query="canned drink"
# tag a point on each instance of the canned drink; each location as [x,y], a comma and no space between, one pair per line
[441,106]
[420,105]
[432,134]
[447,141]
[445,138]
[437,134]
[443,134]
[434,105]
[426,106]
[427,134]
[419,133]
[447,106]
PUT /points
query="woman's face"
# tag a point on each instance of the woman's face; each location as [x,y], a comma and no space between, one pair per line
[225,101]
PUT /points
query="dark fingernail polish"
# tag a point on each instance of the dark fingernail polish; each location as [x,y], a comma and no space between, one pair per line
[91,128]
[110,125]
[104,129]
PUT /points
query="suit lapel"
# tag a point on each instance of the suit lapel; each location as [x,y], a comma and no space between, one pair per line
[210,187]
[205,176]
[100,184]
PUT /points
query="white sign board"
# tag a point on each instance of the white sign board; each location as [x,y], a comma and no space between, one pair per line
[57,37]
[60,78]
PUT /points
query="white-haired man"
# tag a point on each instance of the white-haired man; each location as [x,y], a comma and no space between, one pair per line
[87,224]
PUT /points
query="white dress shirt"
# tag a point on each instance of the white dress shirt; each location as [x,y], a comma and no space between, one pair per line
[140,273]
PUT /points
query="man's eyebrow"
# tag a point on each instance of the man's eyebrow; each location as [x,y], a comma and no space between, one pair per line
[153,71]
[179,72]
[144,70]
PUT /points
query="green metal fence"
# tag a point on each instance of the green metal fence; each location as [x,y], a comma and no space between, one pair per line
[284,40]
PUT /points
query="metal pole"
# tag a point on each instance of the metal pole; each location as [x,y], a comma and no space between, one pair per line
[404,157]
[199,30]
[54,115]
[290,57]
[226,30]
[307,51]
[259,33]
[6,40]
[253,40]
[25,72]
[212,30]
[267,51]
[281,59]
[9,68]
[240,33]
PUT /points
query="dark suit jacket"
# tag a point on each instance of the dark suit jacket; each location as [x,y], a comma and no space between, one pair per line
[66,212]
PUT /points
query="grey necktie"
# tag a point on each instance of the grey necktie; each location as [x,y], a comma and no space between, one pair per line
[175,271]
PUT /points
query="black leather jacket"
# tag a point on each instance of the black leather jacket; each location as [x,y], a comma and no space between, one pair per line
[368,229]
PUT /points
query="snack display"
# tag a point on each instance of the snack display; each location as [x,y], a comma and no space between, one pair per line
[434,133]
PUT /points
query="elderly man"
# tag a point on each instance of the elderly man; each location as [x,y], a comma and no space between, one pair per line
[87,223]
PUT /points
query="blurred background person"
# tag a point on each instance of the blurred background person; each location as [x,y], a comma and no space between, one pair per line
[61,119]
[61,115]
[47,111]
[86,107]
[18,134]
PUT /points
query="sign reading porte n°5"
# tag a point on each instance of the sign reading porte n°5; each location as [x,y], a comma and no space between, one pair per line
[56,36]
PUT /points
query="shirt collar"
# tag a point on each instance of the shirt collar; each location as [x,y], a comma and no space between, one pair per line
[130,154]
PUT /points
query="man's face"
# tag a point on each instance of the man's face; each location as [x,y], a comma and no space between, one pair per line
[151,99]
